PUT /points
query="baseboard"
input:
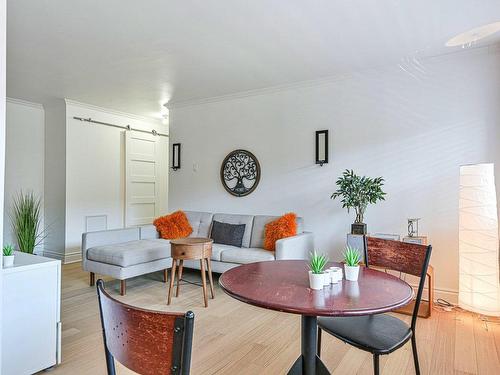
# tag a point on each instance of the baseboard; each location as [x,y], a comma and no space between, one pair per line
[72,257]
[448,295]
[53,254]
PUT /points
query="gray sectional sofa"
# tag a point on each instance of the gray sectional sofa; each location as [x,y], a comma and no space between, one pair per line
[130,252]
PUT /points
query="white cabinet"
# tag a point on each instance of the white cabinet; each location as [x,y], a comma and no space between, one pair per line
[31,321]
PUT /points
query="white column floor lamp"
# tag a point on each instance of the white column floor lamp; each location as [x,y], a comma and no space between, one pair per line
[479,283]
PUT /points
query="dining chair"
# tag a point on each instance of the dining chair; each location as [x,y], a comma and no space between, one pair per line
[382,334]
[145,341]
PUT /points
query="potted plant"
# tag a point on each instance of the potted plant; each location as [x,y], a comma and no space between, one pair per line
[352,258]
[358,192]
[26,221]
[8,256]
[317,264]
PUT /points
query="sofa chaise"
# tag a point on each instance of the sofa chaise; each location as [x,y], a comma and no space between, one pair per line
[129,252]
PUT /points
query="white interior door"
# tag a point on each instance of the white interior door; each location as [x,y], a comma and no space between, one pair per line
[145,177]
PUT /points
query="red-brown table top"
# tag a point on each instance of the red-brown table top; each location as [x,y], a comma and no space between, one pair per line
[283,285]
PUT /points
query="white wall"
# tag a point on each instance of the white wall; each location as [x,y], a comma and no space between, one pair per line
[414,129]
[95,169]
[55,178]
[24,156]
[3,11]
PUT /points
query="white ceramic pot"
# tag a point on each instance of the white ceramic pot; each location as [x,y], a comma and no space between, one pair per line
[316,280]
[351,272]
[335,275]
[8,261]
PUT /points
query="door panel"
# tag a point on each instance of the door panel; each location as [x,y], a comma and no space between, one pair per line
[144,177]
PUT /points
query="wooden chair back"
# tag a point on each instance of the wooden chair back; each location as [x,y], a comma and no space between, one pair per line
[145,341]
[409,258]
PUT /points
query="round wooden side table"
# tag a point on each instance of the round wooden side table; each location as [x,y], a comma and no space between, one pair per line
[191,248]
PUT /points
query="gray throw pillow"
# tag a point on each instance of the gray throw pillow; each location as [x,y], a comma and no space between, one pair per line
[228,234]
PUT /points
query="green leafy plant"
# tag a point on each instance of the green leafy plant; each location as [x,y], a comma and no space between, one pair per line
[8,250]
[317,262]
[358,192]
[26,221]
[352,257]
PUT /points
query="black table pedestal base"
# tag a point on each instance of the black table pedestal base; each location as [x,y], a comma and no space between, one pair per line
[309,363]
[297,368]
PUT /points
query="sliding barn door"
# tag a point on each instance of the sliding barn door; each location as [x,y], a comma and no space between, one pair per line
[145,177]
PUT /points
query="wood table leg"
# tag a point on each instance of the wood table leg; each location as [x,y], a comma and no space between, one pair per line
[92,279]
[123,287]
[179,277]
[165,275]
[204,281]
[430,280]
[209,266]
[172,277]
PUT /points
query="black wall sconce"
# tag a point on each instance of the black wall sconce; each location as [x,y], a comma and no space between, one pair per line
[176,156]
[321,147]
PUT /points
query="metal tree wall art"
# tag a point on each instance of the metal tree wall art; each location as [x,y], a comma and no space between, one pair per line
[240,173]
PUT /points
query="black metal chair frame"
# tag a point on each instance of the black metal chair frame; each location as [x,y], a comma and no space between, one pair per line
[182,342]
[377,354]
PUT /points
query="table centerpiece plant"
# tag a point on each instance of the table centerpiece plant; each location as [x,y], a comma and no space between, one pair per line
[352,257]
[357,193]
[8,256]
[317,263]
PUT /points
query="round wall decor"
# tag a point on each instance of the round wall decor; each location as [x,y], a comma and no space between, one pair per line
[240,173]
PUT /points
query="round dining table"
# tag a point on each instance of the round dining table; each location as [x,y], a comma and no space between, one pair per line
[283,285]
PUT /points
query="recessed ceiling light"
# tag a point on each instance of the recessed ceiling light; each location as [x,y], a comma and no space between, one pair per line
[468,38]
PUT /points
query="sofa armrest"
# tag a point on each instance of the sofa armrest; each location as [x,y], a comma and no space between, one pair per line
[107,237]
[296,247]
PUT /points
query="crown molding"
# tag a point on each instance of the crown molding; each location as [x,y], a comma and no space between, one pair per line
[492,48]
[111,111]
[25,103]
[260,91]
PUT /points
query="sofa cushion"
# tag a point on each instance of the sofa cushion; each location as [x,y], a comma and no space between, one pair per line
[148,232]
[200,222]
[217,250]
[130,253]
[258,230]
[238,219]
[246,255]
[227,234]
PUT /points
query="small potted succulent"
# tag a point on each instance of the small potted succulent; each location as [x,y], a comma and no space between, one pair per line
[317,264]
[352,258]
[8,256]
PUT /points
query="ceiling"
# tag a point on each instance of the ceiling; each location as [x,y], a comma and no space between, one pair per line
[135,55]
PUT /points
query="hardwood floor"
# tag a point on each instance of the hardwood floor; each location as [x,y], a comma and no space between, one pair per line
[234,338]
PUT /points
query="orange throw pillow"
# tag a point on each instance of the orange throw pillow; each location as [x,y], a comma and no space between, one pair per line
[285,226]
[175,225]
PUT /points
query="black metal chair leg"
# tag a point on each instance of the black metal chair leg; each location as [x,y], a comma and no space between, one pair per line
[415,354]
[110,363]
[376,364]
[319,342]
